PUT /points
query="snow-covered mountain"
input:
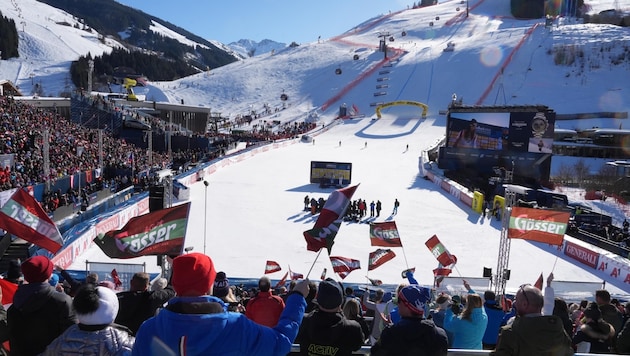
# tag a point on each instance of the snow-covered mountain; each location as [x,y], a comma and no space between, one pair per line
[251,48]
[495,59]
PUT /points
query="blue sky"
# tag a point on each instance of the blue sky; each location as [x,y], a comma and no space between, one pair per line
[279,20]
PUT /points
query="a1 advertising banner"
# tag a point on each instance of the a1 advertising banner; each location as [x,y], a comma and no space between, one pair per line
[548,226]
[385,234]
[161,232]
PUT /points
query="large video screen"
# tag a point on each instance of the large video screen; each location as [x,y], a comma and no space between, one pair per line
[487,140]
[331,173]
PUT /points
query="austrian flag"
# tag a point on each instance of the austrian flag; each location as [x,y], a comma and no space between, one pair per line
[272,266]
[329,220]
[343,265]
[23,217]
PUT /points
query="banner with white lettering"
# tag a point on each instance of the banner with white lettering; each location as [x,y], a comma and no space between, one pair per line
[23,216]
[548,226]
[384,234]
[161,232]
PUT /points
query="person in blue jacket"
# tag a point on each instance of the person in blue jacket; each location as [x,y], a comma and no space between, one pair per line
[196,323]
[495,314]
[467,328]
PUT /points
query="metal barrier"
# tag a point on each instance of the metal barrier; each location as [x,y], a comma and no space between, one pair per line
[365,350]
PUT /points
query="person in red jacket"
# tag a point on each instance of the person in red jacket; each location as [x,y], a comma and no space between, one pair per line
[265,308]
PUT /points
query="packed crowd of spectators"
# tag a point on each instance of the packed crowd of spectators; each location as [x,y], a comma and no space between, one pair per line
[52,314]
[72,148]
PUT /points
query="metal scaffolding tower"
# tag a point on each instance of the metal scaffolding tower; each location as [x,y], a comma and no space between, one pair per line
[503,273]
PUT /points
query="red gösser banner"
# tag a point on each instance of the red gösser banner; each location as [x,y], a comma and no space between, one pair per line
[540,225]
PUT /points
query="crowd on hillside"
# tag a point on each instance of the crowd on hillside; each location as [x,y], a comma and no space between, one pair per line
[194,310]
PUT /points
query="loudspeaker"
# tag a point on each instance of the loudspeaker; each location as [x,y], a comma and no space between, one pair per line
[156,198]
[487,272]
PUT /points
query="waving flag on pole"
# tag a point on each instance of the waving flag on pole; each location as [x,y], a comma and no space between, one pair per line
[329,220]
[374,282]
[161,232]
[385,234]
[379,257]
[343,265]
[282,281]
[272,266]
[23,217]
[295,276]
[440,252]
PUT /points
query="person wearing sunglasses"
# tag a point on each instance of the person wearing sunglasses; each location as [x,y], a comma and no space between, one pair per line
[533,333]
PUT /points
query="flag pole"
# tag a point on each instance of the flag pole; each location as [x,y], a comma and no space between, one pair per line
[313,265]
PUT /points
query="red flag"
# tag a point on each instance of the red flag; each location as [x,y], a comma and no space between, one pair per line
[116,278]
[539,282]
[379,257]
[374,282]
[295,276]
[440,252]
[329,220]
[385,234]
[160,232]
[272,266]
[540,225]
[282,281]
[441,272]
[8,290]
[23,217]
[343,265]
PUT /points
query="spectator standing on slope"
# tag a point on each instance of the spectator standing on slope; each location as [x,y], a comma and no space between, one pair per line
[265,308]
[396,205]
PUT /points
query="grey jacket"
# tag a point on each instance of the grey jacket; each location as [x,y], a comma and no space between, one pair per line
[105,342]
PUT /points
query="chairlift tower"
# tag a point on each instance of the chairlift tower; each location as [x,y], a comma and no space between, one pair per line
[503,273]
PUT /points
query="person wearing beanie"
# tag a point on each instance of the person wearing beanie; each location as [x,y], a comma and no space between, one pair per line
[442,303]
[595,335]
[39,313]
[327,328]
[139,303]
[412,335]
[197,323]
[222,290]
[95,334]
[265,308]
[531,332]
